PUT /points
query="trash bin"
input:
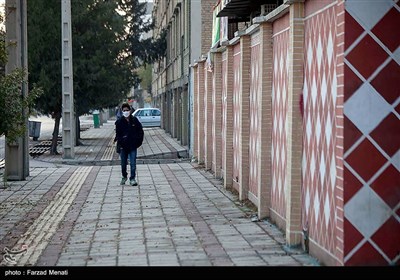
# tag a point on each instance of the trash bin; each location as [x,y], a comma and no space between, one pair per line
[34,130]
[96,119]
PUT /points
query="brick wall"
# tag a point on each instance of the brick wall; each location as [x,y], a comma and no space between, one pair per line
[207,24]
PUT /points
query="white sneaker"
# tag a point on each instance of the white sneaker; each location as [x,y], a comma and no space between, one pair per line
[133,182]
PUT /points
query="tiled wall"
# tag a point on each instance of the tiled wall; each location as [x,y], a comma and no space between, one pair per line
[236,117]
[320,127]
[372,133]
[339,88]
[279,115]
[217,115]
[255,116]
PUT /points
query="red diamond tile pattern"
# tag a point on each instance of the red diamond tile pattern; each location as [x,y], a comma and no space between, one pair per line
[351,82]
[366,255]
[236,115]
[367,48]
[320,128]
[351,134]
[279,119]
[387,186]
[255,112]
[366,159]
[351,184]
[353,30]
[390,230]
[387,82]
[354,236]
[390,39]
[387,134]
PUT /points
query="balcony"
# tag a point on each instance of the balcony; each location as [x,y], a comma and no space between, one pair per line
[245,10]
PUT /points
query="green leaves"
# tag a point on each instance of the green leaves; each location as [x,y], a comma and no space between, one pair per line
[108,49]
[44,53]
[12,120]
[12,103]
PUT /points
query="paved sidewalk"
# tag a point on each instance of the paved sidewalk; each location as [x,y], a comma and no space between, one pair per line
[75,213]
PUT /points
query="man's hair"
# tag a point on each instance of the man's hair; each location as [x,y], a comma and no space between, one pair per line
[126,105]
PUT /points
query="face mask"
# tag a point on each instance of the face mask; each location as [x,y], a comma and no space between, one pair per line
[126,114]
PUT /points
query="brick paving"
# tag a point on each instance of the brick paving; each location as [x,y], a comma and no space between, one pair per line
[75,213]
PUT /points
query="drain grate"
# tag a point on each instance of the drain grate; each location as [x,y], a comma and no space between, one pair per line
[42,147]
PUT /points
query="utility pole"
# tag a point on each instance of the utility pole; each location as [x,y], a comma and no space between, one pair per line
[17,153]
[68,113]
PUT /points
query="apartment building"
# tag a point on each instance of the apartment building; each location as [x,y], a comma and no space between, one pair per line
[188,25]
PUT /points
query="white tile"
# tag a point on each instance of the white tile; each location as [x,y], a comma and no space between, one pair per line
[316,207]
[328,129]
[308,130]
[307,200]
[367,211]
[330,48]
[304,163]
[318,130]
[366,108]
[324,90]
[333,171]
[322,168]
[279,184]
[284,93]
[327,209]
[305,94]
[278,96]
[396,160]
[273,183]
[310,54]
[312,164]
[368,13]
[319,53]
[396,55]
[314,92]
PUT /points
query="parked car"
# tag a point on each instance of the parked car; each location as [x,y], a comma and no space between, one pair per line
[149,117]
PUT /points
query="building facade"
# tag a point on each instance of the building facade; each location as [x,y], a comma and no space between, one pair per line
[188,25]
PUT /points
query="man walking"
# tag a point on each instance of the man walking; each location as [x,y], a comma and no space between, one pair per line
[129,134]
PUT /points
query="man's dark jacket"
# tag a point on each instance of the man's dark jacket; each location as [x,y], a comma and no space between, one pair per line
[129,134]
